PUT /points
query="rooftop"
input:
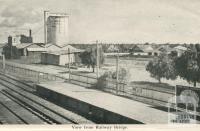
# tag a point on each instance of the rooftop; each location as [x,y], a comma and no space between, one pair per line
[181,48]
[58,14]
[61,52]
[23,45]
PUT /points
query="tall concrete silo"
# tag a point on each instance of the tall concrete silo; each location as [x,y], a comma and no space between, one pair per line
[56,28]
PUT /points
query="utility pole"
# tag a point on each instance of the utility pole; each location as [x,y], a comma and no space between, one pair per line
[11,52]
[97,44]
[117,72]
[4,64]
[69,63]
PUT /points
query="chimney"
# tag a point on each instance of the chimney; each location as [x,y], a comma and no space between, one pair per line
[10,40]
[30,33]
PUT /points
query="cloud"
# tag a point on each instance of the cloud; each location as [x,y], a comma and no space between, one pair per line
[20,16]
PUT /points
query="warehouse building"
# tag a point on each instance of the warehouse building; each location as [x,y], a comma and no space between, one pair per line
[26,49]
[62,57]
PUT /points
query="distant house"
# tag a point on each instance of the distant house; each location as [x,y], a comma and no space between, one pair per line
[144,50]
[135,49]
[113,48]
[179,50]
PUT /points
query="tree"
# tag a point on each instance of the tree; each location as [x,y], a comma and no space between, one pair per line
[89,57]
[188,64]
[162,66]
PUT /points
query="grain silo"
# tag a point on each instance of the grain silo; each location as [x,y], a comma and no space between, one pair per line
[56,28]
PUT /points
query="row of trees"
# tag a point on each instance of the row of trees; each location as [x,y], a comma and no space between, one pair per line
[187,66]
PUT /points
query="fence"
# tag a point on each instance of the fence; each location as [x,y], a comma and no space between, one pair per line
[158,96]
[145,94]
[27,74]
[83,80]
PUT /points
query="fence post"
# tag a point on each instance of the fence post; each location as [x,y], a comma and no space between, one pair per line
[117,72]
[69,64]
[38,80]
[87,81]
[4,65]
[123,89]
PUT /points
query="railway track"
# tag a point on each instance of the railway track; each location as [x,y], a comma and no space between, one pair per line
[16,97]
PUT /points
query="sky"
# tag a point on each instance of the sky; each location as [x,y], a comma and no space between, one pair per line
[111,21]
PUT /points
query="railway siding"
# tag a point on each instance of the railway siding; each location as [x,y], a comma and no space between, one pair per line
[46,105]
[25,116]
[40,109]
[8,117]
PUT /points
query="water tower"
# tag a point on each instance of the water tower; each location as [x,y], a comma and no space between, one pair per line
[56,28]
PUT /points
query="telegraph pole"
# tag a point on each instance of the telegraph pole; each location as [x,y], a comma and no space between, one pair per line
[69,63]
[97,44]
[4,64]
[117,71]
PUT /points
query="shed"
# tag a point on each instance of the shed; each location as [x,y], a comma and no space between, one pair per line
[61,57]
[25,49]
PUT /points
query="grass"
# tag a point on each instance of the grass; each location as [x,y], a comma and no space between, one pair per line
[153,85]
[131,57]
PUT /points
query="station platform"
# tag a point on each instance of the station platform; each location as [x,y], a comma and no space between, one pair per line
[103,107]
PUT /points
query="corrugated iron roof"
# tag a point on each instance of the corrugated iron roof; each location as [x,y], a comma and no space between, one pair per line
[65,51]
[49,44]
[36,49]
[73,49]
[23,45]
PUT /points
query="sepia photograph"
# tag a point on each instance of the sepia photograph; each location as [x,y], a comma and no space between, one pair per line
[99,64]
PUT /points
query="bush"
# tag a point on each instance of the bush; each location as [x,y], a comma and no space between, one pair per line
[111,75]
[102,80]
[123,75]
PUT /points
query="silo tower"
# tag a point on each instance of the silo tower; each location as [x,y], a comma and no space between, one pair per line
[56,28]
